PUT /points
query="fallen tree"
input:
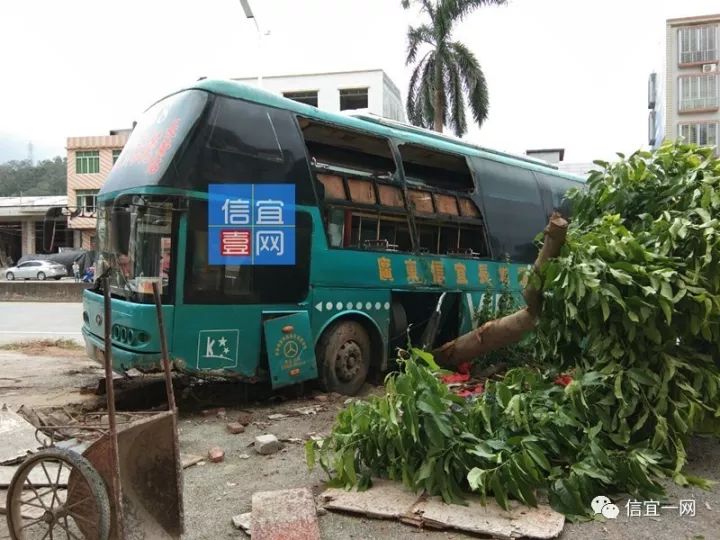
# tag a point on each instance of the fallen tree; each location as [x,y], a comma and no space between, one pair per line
[501,332]
[628,336]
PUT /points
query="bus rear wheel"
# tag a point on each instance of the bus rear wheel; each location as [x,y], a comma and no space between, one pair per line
[343,355]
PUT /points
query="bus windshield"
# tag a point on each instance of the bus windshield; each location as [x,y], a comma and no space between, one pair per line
[135,248]
[155,141]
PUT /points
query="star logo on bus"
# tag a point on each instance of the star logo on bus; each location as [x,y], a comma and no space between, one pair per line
[218,348]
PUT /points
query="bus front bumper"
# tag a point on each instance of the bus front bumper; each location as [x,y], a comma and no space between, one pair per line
[122,359]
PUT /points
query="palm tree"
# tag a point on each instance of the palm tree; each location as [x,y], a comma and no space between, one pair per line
[448,71]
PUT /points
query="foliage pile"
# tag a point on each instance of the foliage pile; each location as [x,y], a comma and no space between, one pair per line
[628,336]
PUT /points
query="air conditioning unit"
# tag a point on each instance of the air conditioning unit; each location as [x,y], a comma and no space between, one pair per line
[709,68]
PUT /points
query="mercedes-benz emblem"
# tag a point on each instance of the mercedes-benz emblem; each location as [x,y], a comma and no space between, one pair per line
[291,349]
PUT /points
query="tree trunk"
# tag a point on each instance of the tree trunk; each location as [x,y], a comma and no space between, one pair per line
[438,105]
[510,329]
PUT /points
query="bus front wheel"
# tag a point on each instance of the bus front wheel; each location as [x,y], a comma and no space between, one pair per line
[343,355]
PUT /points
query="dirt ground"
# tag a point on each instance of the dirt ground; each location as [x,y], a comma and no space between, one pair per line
[216,492]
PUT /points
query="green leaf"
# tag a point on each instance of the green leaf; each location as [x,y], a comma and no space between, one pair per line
[667,309]
[476,479]
[605,308]
[537,455]
[499,490]
[310,454]
[618,386]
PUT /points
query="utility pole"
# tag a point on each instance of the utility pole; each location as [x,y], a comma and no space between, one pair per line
[250,15]
[30,153]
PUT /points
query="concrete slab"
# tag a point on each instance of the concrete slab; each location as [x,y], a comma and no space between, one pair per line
[391,500]
[519,522]
[287,514]
[385,500]
[17,437]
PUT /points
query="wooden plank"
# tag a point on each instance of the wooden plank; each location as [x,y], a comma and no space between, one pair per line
[288,514]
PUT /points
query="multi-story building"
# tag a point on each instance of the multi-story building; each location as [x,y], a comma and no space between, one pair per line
[89,160]
[364,91]
[692,84]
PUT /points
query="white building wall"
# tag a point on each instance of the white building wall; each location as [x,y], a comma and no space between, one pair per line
[673,70]
[328,86]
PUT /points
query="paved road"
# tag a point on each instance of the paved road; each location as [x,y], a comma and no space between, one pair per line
[22,321]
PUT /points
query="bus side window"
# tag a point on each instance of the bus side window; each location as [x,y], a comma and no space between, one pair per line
[557,188]
[514,209]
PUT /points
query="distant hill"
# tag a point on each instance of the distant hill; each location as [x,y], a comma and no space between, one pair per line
[14,148]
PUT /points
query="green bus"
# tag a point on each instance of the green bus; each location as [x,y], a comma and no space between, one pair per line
[387,218]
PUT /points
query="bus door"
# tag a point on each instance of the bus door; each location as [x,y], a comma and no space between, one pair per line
[289,347]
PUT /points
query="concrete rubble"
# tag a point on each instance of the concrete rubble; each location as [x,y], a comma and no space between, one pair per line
[242,522]
[267,444]
[17,437]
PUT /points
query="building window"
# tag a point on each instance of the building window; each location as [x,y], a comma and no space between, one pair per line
[116,155]
[308,98]
[87,161]
[353,98]
[86,200]
[698,44]
[704,134]
[698,92]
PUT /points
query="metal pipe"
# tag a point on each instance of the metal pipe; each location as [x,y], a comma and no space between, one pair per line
[110,393]
[163,348]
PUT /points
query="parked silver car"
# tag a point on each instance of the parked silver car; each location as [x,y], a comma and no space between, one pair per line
[36,270]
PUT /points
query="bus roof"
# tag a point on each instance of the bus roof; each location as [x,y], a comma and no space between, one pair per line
[376,125]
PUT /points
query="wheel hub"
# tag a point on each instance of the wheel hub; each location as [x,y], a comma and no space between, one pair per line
[348,361]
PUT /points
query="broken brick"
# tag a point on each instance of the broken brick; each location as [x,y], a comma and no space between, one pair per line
[235,428]
[244,418]
[216,455]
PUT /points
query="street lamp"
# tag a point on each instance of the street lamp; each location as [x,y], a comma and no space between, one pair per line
[249,14]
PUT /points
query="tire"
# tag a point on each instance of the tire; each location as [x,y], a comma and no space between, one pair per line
[10,276]
[57,278]
[41,276]
[94,523]
[343,355]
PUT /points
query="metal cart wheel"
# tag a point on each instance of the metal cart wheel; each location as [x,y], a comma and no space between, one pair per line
[57,494]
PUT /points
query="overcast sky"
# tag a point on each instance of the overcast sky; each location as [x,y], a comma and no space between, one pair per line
[561,73]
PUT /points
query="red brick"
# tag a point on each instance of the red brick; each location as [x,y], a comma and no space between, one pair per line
[216,455]
[235,428]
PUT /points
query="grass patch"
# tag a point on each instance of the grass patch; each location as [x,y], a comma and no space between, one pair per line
[33,345]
